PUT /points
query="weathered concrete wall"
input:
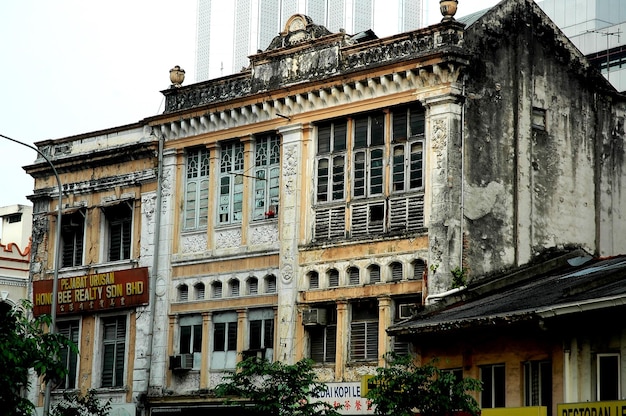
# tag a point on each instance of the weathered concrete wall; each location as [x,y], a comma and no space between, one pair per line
[530,187]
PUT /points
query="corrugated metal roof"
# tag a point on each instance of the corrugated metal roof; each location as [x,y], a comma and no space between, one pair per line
[596,282]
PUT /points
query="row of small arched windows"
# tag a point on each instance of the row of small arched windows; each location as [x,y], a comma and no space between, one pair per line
[395,272]
[234,288]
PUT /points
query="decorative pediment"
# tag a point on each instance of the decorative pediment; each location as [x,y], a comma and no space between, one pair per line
[298,29]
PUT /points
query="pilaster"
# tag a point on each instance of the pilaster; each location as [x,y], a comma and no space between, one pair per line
[443,214]
[290,207]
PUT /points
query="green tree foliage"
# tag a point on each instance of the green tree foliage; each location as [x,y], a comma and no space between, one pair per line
[25,344]
[74,404]
[274,388]
[403,388]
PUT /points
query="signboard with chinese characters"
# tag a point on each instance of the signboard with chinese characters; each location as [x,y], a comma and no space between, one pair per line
[93,292]
[347,395]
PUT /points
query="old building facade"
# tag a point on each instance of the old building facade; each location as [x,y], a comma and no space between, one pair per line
[305,205]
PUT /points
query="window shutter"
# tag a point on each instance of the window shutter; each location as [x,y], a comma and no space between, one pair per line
[316,336]
[331,343]
[314,280]
[253,286]
[371,340]
[270,282]
[234,288]
[396,272]
[374,274]
[354,276]
[330,223]
[333,278]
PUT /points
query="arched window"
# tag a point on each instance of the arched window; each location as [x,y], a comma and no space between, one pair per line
[314,280]
[233,288]
[354,275]
[396,271]
[374,272]
[199,290]
[216,290]
[253,285]
[419,267]
[333,278]
[270,284]
[183,293]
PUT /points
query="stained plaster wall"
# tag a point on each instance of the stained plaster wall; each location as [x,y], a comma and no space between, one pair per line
[94,171]
[527,188]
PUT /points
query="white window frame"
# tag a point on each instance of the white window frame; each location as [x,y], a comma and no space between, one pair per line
[332,188]
[225,356]
[261,343]
[489,371]
[369,188]
[266,177]
[231,183]
[196,197]
[599,377]
[193,346]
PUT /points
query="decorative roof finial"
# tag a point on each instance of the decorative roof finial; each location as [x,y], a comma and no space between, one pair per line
[177,76]
[448,9]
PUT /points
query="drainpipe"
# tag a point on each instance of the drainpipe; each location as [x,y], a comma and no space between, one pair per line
[155,259]
[462,213]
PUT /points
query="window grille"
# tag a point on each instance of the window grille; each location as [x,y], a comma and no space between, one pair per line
[333,278]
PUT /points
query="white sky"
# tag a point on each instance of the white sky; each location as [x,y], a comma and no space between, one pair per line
[73,66]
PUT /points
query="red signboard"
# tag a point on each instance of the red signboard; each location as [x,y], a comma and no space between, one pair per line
[93,292]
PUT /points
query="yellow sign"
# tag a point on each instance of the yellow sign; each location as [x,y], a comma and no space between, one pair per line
[610,408]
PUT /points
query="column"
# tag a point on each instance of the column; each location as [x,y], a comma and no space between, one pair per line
[384,321]
[205,350]
[242,333]
[343,325]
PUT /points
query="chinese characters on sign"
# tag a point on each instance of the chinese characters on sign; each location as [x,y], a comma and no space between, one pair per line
[93,292]
[347,395]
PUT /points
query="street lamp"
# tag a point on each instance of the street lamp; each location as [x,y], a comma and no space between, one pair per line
[57,259]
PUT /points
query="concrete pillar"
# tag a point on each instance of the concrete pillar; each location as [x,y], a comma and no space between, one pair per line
[343,325]
[205,350]
[242,332]
[443,189]
[384,321]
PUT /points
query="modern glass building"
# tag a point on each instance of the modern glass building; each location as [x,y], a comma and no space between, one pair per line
[598,29]
[229,31]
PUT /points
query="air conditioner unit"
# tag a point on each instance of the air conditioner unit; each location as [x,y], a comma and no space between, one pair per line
[314,316]
[406,310]
[181,362]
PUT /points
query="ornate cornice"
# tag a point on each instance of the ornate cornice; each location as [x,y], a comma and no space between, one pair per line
[319,56]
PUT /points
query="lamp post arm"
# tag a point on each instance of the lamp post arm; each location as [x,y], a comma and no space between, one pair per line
[57,257]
